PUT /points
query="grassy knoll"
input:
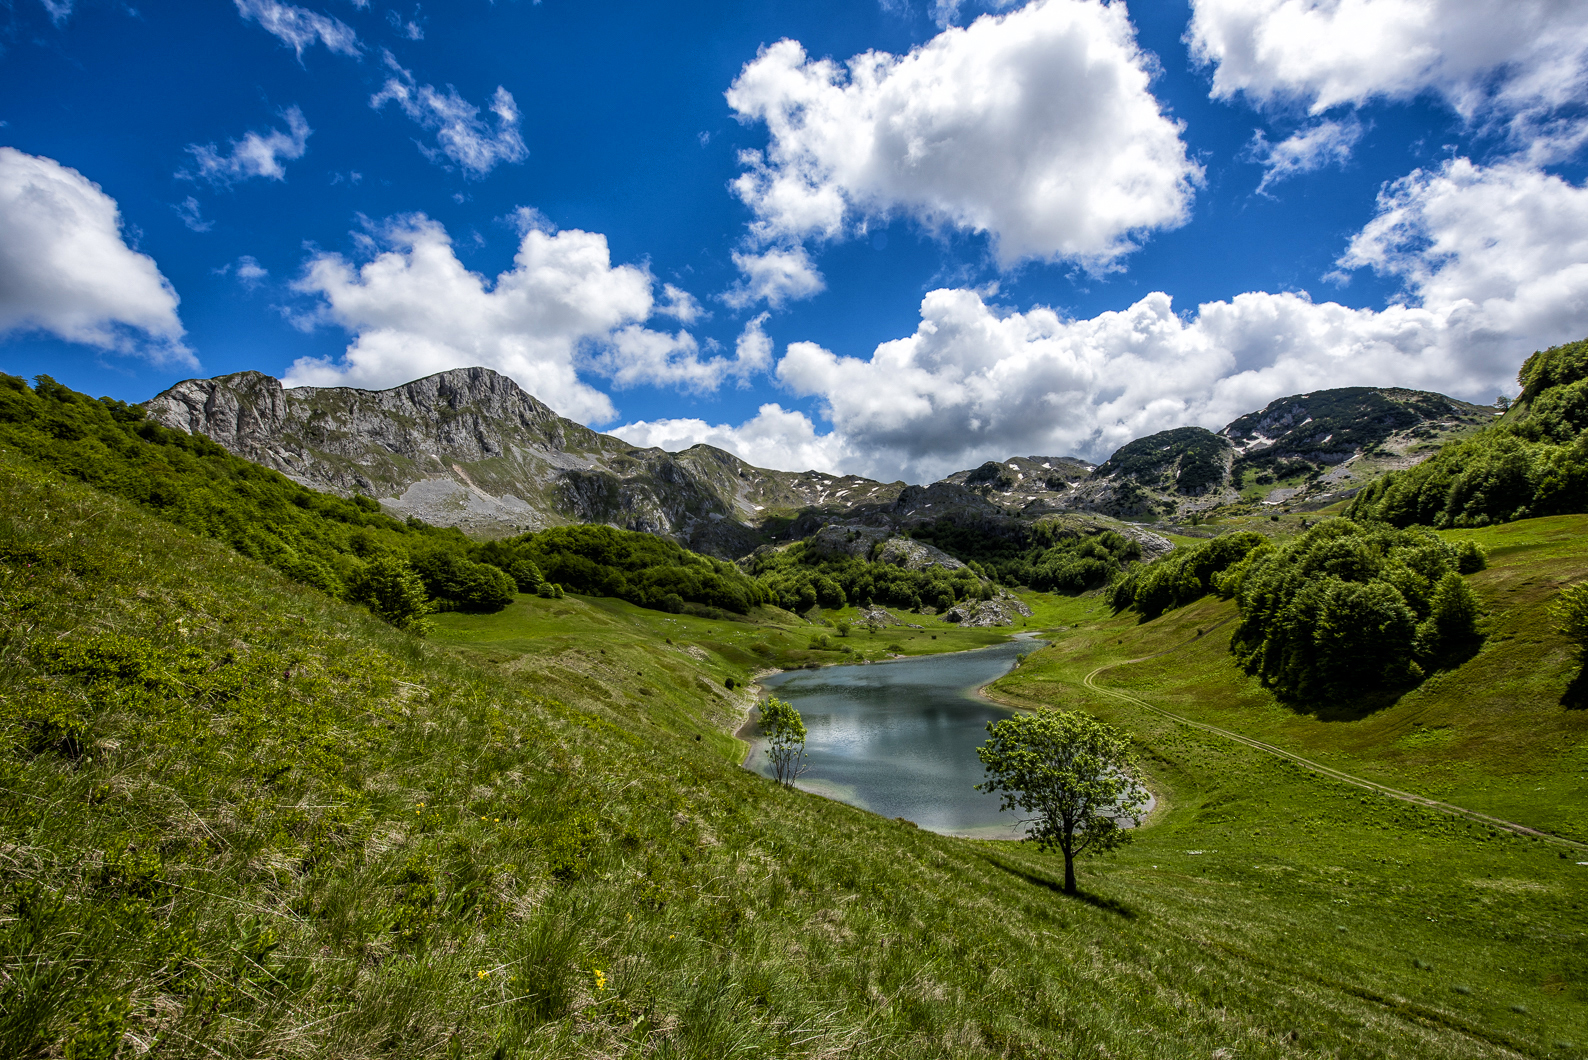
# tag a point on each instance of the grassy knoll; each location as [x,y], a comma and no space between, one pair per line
[1493,735]
[240,818]
[1463,921]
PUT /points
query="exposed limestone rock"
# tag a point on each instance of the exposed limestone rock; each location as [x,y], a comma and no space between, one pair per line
[913,555]
[985,613]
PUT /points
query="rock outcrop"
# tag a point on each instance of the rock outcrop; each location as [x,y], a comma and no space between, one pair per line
[1001,611]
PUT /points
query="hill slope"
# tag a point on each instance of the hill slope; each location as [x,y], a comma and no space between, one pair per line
[241,819]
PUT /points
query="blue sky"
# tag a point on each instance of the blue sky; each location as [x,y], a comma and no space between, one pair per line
[886,237]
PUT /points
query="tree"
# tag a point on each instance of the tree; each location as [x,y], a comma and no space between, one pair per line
[1570,613]
[785,740]
[1074,773]
[388,586]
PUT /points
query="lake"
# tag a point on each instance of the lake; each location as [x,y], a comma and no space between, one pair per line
[899,738]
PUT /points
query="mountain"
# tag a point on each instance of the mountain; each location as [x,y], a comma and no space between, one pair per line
[1304,451]
[470,448]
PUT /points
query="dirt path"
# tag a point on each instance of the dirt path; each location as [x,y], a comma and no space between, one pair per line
[1307,763]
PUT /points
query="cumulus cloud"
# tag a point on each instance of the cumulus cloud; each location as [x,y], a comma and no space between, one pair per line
[680,305]
[636,355]
[775,438]
[413,310]
[461,134]
[774,276]
[65,268]
[299,28]
[1523,59]
[1505,247]
[1494,262]
[1036,127]
[255,155]
[1320,144]
[753,350]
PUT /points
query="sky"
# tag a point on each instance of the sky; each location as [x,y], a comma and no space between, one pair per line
[888,237]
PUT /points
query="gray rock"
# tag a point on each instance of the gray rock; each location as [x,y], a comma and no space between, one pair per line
[987,613]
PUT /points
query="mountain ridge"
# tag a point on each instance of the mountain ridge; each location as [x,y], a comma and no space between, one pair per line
[470,448]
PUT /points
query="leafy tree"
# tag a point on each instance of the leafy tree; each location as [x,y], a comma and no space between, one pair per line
[641,568]
[1349,608]
[785,740]
[1570,612]
[464,584]
[1182,576]
[1073,772]
[388,586]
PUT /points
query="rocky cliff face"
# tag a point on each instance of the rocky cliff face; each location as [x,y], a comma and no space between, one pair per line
[466,448]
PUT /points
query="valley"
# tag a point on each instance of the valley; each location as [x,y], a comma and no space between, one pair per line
[319,782]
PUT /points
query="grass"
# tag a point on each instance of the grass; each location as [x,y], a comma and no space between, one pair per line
[238,818]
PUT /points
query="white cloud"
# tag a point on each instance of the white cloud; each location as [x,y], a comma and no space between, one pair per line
[411,29]
[1505,247]
[635,355]
[250,273]
[753,350]
[1320,144]
[299,28]
[775,438]
[461,134]
[1523,59]
[59,10]
[680,305]
[414,310]
[774,276]
[945,12]
[254,155]
[65,268]
[1036,127]
[1495,263]
[192,215]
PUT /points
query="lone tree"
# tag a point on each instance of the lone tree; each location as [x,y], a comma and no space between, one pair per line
[785,740]
[1074,773]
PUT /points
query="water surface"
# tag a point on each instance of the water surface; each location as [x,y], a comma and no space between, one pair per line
[899,738]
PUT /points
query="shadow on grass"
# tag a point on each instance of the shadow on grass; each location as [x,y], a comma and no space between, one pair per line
[1576,695]
[1096,901]
[1354,706]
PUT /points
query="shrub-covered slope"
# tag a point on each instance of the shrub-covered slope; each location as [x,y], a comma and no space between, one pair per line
[1534,462]
[347,547]
[239,818]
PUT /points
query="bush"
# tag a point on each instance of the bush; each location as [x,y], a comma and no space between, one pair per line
[389,587]
[1182,576]
[1534,465]
[1570,612]
[464,584]
[1349,608]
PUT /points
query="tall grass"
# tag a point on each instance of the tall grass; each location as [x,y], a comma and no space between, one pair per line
[238,818]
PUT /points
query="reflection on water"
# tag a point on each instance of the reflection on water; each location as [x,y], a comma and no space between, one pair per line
[899,738]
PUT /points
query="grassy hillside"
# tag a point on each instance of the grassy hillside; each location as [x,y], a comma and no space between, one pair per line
[240,818]
[1499,734]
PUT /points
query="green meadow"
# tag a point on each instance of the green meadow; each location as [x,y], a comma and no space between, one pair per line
[241,818]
